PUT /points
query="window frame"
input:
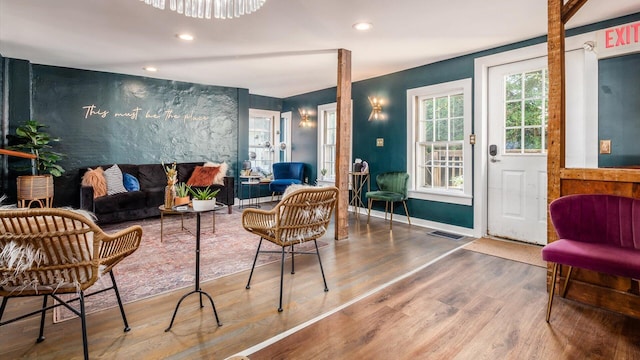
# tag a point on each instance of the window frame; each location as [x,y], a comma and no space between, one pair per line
[463,86]
[321,138]
[275,133]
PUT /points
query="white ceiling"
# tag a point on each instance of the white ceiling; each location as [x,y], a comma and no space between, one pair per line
[286,48]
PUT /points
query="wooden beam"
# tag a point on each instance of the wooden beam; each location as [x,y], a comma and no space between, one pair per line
[571,8]
[556,121]
[343,143]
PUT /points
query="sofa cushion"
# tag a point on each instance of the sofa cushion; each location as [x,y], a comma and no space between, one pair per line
[129,169]
[151,176]
[95,179]
[155,196]
[186,169]
[130,182]
[203,176]
[219,178]
[113,175]
[122,201]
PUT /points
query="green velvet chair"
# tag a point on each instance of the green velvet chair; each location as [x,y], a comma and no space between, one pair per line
[392,187]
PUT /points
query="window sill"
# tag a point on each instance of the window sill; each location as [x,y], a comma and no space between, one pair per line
[459,199]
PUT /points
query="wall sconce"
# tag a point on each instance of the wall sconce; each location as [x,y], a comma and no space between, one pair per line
[304,119]
[376,109]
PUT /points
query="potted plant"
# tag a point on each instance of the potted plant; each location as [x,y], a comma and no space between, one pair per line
[323,172]
[203,199]
[31,138]
[182,194]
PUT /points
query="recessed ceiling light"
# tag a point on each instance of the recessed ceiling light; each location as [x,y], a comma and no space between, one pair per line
[362,26]
[150,68]
[185,37]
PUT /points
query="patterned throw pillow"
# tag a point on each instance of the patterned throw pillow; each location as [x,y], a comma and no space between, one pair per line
[130,182]
[203,176]
[219,178]
[114,180]
[95,179]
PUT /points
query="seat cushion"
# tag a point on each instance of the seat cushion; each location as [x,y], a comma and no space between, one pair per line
[612,260]
[118,202]
[384,196]
[151,176]
[280,185]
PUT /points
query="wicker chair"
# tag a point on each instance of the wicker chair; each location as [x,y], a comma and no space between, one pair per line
[301,216]
[48,252]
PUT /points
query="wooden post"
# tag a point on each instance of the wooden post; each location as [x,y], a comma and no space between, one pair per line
[555,135]
[558,14]
[343,141]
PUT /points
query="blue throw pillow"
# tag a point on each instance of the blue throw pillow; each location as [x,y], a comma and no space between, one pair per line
[130,182]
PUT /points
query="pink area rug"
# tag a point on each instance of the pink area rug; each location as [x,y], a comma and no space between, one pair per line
[158,267]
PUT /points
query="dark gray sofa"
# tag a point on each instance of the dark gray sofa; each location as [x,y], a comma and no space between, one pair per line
[141,204]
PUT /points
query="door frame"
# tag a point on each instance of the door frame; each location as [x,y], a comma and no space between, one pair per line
[481,109]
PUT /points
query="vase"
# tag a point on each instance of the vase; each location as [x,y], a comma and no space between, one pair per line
[203,205]
[169,196]
[181,200]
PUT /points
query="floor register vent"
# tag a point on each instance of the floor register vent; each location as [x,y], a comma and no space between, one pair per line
[446,235]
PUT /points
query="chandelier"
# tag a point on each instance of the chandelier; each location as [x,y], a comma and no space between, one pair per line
[222,9]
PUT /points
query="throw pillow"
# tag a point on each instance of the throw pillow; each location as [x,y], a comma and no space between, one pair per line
[219,179]
[203,176]
[130,182]
[114,180]
[95,179]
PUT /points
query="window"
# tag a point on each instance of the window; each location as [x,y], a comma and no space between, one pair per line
[327,140]
[262,130]
[526,112]
[439,158]
[327,120]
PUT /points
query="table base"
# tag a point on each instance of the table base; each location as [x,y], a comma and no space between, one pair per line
[199,291]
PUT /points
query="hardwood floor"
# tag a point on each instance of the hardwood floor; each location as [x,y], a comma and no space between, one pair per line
[467,305]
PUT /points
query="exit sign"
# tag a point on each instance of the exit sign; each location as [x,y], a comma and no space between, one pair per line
[618,40]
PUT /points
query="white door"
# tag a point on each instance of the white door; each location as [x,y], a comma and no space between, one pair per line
[517,174]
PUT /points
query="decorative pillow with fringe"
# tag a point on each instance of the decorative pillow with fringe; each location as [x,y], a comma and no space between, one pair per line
[95,178]
[203,176]
[222,172]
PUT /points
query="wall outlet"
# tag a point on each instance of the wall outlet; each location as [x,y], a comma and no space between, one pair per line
[605,146]
[380,142]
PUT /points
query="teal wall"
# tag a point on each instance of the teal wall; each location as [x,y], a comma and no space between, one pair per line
[206,122]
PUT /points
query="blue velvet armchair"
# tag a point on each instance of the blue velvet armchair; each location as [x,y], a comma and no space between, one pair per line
[285,174]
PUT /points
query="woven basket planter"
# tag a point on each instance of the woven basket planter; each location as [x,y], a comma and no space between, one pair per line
[38,188]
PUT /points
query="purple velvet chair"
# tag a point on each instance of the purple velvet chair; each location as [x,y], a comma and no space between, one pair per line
[595,232]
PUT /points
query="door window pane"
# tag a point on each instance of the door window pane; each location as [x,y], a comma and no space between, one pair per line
[526,112]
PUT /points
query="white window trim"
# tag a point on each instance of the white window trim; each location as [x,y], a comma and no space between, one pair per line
[321,109]
[454,197]
[286,118]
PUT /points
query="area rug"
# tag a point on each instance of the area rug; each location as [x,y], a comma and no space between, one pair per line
[525,253]
[158,267]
